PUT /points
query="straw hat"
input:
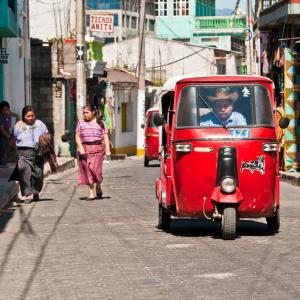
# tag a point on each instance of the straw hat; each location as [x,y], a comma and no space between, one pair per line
[224,94]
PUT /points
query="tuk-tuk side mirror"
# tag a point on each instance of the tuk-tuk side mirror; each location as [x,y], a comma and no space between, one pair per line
[158,120]
[284,122]
[142,126]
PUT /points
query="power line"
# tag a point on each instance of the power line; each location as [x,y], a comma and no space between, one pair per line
[175,61]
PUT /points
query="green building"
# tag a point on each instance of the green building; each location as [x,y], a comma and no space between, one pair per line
[8,28]
[195,21]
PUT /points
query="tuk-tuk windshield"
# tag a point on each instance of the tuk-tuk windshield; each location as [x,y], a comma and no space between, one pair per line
[224,105]
[150,120]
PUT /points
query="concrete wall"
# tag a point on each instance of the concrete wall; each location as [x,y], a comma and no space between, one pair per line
[48,94]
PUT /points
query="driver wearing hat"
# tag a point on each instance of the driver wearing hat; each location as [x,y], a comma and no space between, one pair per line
[223,113]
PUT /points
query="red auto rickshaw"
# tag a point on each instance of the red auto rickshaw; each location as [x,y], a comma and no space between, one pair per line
[151,137]
[219,155]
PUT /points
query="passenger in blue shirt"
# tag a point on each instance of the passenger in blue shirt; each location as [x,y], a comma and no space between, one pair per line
[223,114]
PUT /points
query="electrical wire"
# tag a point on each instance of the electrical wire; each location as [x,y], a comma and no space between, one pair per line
[175,61]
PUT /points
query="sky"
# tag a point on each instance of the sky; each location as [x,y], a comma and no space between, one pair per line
[230,4]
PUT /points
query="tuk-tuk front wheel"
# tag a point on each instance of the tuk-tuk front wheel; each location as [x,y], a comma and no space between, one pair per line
[273,223]
[146,161]
[229,223]
[164,218]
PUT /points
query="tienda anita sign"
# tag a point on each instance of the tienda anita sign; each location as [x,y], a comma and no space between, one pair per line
[102,23]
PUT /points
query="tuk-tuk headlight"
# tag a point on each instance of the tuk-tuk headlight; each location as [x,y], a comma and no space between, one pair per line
[270,147]
[228,185]
[183,148]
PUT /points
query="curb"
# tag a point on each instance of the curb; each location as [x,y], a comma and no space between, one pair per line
[291,178]
[65,166]
[10,193]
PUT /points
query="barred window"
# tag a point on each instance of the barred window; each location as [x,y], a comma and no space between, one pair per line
[161,7]
[181,7]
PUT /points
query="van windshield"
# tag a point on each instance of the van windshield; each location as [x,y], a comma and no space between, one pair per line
[224,106]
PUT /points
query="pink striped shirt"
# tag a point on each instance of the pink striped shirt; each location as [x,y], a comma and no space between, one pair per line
[90,131]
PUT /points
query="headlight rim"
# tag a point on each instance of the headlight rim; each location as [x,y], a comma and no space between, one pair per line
[234,185]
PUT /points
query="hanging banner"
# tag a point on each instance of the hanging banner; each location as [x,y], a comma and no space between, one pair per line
[3,56]
[292,110]
[102,23]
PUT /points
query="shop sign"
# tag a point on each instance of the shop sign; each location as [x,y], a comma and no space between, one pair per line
[102,23]
[3,56]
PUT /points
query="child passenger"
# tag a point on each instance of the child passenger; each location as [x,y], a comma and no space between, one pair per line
[64,147]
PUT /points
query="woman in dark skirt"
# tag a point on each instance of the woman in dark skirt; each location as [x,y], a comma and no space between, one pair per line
[29,165]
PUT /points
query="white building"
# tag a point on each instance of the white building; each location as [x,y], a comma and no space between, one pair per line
[16,73]
[165,59]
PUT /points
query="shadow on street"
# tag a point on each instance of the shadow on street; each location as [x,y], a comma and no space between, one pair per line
[202,228]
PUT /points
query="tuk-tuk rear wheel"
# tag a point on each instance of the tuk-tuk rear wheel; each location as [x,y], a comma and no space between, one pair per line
[229,223]
[164,218]
[273,223]
[146,161]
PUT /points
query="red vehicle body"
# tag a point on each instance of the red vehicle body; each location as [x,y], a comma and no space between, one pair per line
[218,172]
[151,137]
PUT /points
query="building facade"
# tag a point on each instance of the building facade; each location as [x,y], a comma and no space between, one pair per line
[14,54]
[167,58]
[195,21]
[126,17]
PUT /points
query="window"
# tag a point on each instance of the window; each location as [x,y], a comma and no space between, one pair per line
[181,7]
[225,105]
[151,25]
[12,5]
[161,8]
[133,22]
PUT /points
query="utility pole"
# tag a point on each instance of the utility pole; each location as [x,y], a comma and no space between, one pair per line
[80,64]
[250,38]
[141,82]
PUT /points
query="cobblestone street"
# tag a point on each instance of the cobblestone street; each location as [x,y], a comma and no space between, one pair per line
[64,247]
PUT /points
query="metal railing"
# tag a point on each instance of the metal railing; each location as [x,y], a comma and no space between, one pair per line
[220,23]
[267,3]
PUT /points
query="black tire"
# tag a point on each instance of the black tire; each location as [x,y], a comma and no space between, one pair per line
[146,161]
[229,223]
[273,223]
[164,218]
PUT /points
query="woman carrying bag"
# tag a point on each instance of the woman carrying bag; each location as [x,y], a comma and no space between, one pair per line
[29,164]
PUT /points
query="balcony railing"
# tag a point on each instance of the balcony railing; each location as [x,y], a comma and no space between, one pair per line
[267,3]
[226,23]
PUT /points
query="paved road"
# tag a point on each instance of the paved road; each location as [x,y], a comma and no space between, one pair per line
[63,247]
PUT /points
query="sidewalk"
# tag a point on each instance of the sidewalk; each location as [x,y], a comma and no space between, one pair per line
[291,177]
[8,190]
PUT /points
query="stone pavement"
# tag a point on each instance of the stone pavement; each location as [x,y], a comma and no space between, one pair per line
[9,190]
[64,247]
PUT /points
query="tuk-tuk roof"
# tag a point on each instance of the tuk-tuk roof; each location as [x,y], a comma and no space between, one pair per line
[225,79]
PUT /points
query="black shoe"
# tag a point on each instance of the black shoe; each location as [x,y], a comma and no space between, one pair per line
[36,197]
[90,198]
[99,195]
